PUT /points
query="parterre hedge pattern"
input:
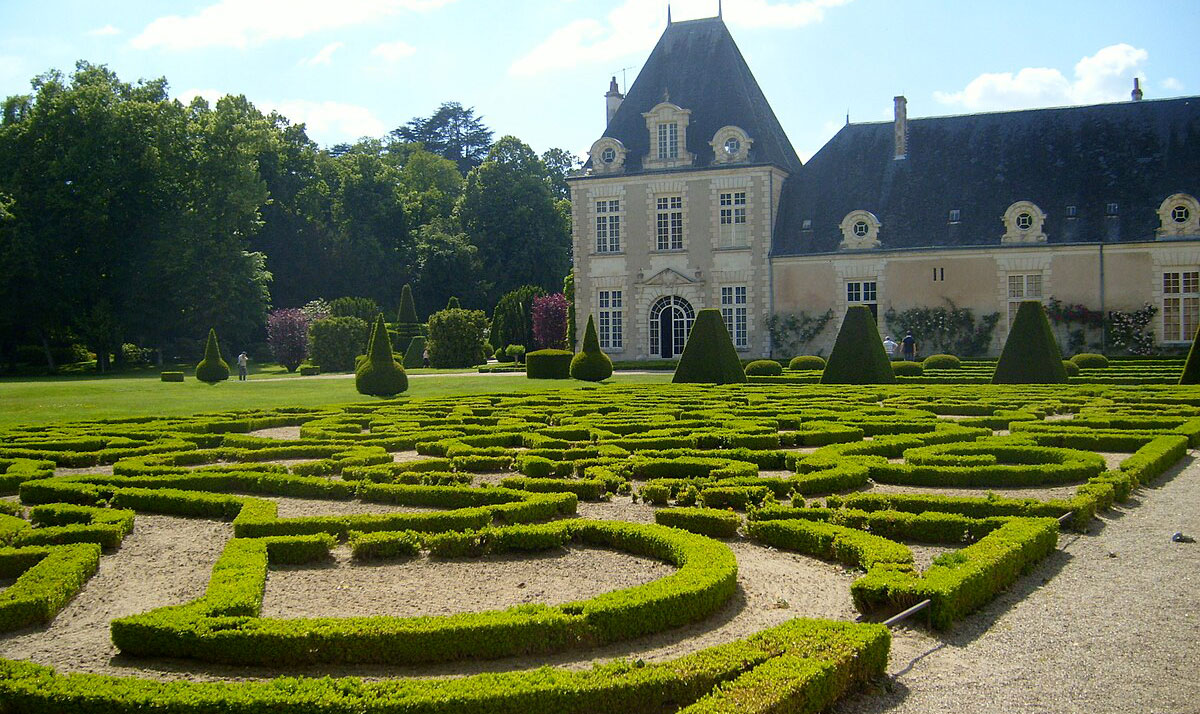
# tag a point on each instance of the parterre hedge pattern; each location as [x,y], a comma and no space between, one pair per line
[787,466]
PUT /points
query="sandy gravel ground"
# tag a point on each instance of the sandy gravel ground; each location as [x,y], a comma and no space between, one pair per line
[1108,624]
[285,433]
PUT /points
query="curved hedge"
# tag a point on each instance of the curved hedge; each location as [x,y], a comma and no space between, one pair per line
[941,362]
[1070,368]
[1090,360]
[907,369]
[548,364]
[806,362]
[764,368]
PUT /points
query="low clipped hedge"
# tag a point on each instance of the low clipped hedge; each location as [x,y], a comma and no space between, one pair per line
[222,625]
[764,368]
[548,364]
[1090,360]
[807,362]
[171,376]
[1071,368]
[46,580]
[309,370]
[848,546]
[710,522]
[908,369]
[60,524]
[941,362]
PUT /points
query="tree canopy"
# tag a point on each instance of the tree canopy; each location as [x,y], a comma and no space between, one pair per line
[452,132]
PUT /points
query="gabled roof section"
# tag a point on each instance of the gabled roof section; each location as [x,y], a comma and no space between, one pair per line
[697,66]
[1133,154]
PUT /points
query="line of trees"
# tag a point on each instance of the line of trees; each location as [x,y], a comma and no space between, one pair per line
[129,217]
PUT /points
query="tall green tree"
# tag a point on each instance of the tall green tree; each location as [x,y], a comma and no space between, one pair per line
[452,132]
[448,265]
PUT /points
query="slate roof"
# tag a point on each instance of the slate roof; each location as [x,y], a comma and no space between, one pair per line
[1134,154]
[699,67]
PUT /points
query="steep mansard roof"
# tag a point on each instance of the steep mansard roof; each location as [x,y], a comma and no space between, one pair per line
[696,65]
[1134,154]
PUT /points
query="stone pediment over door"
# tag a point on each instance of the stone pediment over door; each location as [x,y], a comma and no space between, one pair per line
[668,277]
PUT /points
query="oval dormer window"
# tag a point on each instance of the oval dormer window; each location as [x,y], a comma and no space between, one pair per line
[1180,214]
[732,146]
[609,155]
[1024,221]
[861,229]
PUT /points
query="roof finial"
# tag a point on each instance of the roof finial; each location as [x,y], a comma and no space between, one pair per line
[668,13]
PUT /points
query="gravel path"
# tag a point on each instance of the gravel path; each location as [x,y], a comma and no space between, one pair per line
[1108,624]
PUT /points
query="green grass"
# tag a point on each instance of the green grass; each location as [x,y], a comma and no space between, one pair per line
[50,400]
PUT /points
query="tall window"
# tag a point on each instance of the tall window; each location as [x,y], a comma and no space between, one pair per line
[733,309]
[608,226]
[670,223]
[863,292]
[1181,305]
[609,313]
[1022,287]
[668,141]
[733,219]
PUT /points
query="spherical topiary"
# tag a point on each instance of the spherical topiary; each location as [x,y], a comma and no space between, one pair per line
[807,362]
[548,364]
[907,369]
[941,362]
[858,356]
[415,356]
[1071,368]
[212,368]
[379,375]
[709,356]
[591,364]
[1031,354]
[1090,360]
[764,368]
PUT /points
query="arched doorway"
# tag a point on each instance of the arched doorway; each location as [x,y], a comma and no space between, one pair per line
[671,319]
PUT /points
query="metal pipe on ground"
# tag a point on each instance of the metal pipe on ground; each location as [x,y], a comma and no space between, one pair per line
[896,619]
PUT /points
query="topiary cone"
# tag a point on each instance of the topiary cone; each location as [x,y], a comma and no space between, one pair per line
[1191,368]
[212,368]
[1031,354]
[858,356]
[591,364]
[407,326]
[379,375]
[709,356]
[452,304]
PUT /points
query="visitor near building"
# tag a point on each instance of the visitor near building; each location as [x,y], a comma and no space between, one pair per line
[889,346]
[909,346]
[243,363]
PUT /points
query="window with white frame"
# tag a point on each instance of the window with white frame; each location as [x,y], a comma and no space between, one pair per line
[1022,287]
[733,309]
[668,140]
[609,314]
[733,219]
[1181,304]
[863,292]
[670,222]
[608,226]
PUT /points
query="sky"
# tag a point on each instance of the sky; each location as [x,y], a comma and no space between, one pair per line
[538,69]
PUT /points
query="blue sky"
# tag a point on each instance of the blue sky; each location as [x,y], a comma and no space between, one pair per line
[538,69]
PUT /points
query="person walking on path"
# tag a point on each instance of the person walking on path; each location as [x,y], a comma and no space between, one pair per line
[243,363]
[889,346]
[909,346]
[425,358]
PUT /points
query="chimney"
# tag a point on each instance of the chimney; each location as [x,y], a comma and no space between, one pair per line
[1137,90]
[901,128]
[613,100]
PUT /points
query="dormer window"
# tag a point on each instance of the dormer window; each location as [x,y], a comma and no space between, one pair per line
[1072,212]
[1179,217]
[1023,223]
[609,155]
[860,231]
[1112,209]
[667,126]
[806,224]
[955,215]
[730,144]
[668,141]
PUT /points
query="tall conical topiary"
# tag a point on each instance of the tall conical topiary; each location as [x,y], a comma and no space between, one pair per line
[415,356]
[212,368]
[1191,368]
[1031,354]
[858,356]
[378,374]
[591,365]
[452,303]
[709,356]
[407,325]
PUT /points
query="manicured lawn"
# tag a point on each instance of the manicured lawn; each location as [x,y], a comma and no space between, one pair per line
[49,400]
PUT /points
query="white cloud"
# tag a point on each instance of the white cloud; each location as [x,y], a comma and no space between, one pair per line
[1106,76]
[244,23]
[633,27]
[105,31]
[1172,85]
[329,123]
[323,57]
[393,52]
[210,95]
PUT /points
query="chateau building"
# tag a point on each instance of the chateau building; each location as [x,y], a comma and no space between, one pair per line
[694,198]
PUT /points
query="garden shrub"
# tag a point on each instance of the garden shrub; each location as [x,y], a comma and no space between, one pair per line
[379,546]
[456,338]
[591,364]
[501,355]
[334,342]
[711,522]
[548,364]
[847,546]
[364,309]
[171,376]
[380,375]
[807,362]
[1191,367]
[764,368]
[709,356]
[907,369]
[1070,368]
[1090,360]
[309,370]
[408,327]
[415,356]
[453,304]
[941,362]
[858,356]
[212,368]
[1030,355]
[515,353]
[46,580]
[287,335]
[512,319]
[549,316]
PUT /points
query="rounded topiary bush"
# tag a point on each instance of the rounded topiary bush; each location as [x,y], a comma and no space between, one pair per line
[908,369]
[502,356]
[591,364]
[1031,354]
[1090,360]
[709,356]
[1071,367]
[548,364]
[171,376]
[858,356]
[309,370]
[807,362]
[212,368]
[941,362]
[379,374]
[764,368]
